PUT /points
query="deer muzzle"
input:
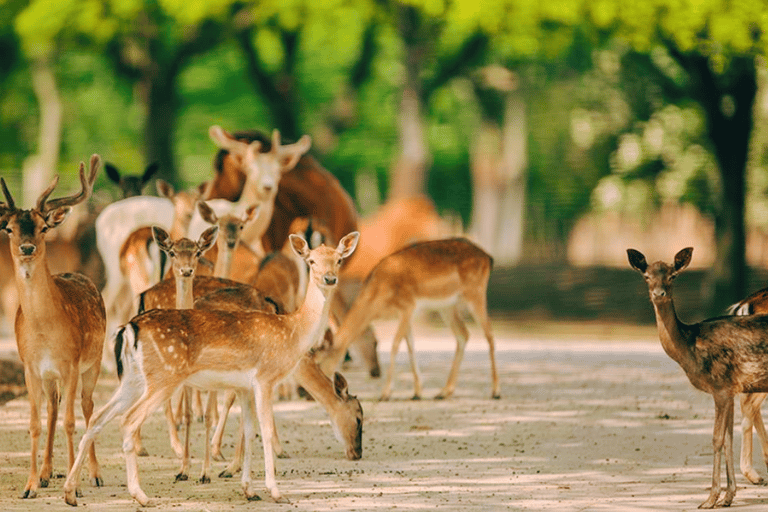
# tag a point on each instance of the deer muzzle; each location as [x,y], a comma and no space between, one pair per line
[329,279]
[27,249]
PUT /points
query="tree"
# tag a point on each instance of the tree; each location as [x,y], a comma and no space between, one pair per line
[705,52]
[149,44]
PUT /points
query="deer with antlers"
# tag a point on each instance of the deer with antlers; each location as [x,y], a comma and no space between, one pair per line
[442,274]
[722,356]
[60,324]
[247,350]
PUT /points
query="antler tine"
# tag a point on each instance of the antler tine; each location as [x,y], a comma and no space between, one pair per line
[10,205]
[41,201]
[86,187]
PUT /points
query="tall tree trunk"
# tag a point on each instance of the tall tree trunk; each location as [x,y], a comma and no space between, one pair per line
[408,176]
[39,168]
[160,128]
[499,161]
[728,103]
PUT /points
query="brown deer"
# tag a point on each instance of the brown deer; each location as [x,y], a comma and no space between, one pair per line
[129,185]
[184,255]
[754,304]
[60,324]
[232,260]
[250,351]
[721,356]
[440,274]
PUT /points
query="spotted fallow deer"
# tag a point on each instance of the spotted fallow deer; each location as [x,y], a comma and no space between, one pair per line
[754,304]
[250,351]
[437,274]
[184,255]
[60,324]
[722,356]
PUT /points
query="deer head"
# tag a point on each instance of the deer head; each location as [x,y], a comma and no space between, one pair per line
[263,170]
[230,225]
[131,186]
[27,228]
[659,275]
[185,253]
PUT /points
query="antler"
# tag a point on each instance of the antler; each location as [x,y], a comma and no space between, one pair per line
[86,184]
[10,205]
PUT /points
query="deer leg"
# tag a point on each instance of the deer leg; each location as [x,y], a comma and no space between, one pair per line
[209,407]
[718,440]
[730,474]
[70,384]
[461,334]
[173,431]
[414,364]
[237,460]
[130,424]
[750,413]
[197,406]
[89,379]
[263,394]
[478,306]
[402,329]
[54,398]
[220,425]
[125,396]
[248,431]
[183,473]
[35,394]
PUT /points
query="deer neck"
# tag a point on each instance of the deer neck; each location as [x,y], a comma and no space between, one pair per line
[312,317]
[673,339]
[184,297]
[35,286]
[223,267]
[254,231]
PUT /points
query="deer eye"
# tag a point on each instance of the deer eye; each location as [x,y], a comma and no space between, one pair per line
[311,262]
[44,229]
[172,254]
[198,254]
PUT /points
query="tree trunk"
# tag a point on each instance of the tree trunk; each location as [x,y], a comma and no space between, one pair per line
[728,103]
[39,168]
[408,176]
[160,125]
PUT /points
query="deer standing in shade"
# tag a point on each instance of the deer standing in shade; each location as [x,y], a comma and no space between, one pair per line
[721,356]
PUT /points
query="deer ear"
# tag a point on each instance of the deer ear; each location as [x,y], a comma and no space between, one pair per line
[112,172]
[637,260]
[162,238]
[340,386]
[299,245]
[150,171]
[165,189]
[251,213]
[207,213]
[57,216]
[208,238]
[348,244]
[683,258]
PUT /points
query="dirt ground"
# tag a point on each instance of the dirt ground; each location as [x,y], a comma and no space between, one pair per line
[592,417]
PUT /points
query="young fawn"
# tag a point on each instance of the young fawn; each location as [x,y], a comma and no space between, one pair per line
[721,356]
[440,274]
[60,324]
[250,351]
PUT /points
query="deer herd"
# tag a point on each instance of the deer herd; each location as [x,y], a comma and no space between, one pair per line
[244,284]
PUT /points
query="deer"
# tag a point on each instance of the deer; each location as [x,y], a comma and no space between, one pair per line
[722,356]
[185,255]
[130,185]
[755,304]
[60,325]
[251,351]
[443,274]
[305,190]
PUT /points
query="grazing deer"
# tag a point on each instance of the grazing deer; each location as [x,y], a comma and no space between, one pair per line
[60,324]
[250,351]
[131,186]
[439,274]
[721,356]
[754,304]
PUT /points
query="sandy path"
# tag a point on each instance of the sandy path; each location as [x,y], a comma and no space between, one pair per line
[592,417]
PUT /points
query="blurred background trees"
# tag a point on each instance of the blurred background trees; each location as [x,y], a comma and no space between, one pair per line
[518,117]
